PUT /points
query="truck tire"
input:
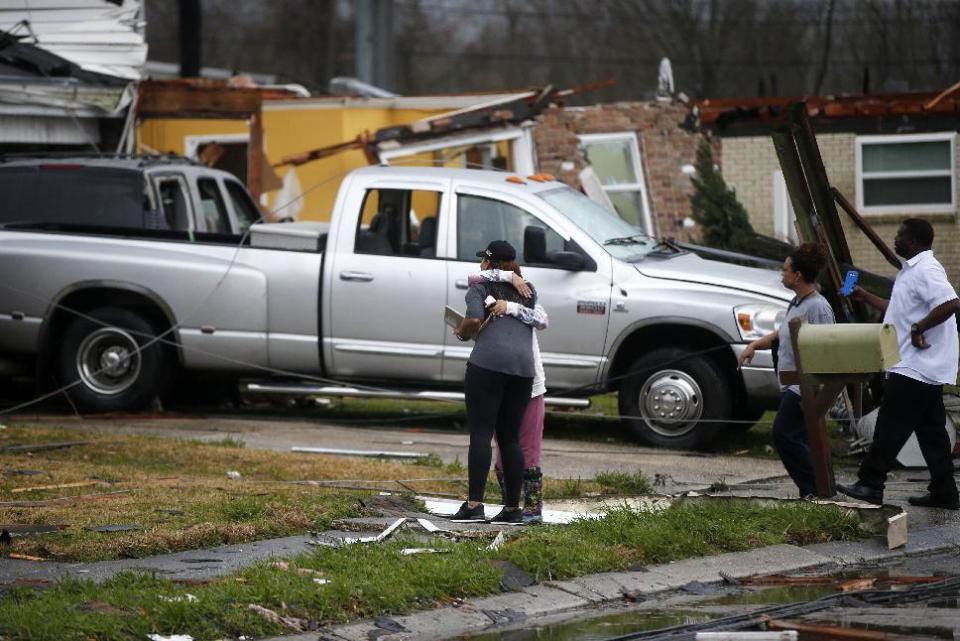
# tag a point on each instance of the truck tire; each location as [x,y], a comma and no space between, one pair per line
[112,375]
[671,399]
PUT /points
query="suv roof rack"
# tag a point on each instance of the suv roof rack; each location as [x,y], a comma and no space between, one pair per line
[142,160]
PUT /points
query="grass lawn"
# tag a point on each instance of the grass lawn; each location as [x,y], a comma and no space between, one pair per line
[178,495]
[366,581]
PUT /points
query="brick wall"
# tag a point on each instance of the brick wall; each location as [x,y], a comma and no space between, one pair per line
[665,147]
[748,165]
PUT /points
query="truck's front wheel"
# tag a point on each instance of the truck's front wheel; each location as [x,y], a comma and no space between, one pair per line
[106,364]
[673,399]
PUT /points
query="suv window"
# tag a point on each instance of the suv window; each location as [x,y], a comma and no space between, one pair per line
[398,222]
[173,203]
[213,209]
[73,194]
[246,212]
[482,220]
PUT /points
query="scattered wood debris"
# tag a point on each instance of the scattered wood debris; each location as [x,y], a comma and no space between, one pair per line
[63,499]
[293,623]
[40,447]
[24,557]
[58,486]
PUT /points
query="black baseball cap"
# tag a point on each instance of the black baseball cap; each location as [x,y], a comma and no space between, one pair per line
[499,251]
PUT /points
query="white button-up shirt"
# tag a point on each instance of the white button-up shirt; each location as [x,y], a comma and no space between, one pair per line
[921,286]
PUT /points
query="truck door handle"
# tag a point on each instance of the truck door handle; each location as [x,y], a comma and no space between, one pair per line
[362,277]
[461,283]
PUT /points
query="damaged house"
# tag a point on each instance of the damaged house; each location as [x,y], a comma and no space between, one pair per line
[68,73]
[893,156]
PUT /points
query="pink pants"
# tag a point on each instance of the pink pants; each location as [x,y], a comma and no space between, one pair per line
[531,434]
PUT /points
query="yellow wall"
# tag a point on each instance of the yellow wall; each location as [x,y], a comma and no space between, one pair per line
[290,131]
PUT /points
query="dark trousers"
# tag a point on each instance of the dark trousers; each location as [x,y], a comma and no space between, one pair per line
[495,405]
[790,440]
[911,406]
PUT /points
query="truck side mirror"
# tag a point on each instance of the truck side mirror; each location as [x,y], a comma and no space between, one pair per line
[534,244]
[571,261]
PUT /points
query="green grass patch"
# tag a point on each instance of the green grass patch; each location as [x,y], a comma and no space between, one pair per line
[624,483]
[176,491]
[366,581]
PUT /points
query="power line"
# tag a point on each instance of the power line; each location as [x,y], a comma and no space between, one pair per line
[626,60]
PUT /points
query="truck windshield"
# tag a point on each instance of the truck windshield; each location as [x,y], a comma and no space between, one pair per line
[621,239]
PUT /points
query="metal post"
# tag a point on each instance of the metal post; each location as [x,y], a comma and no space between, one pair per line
[190,38]
[374,42]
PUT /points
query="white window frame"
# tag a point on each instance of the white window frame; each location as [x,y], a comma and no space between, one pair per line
[640,184]
[784,227]
[947,136]
[520,139]
[192,143]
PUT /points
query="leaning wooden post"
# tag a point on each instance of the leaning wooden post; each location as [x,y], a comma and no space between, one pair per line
[816,400]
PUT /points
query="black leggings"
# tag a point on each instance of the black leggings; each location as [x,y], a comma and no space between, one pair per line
[495,404]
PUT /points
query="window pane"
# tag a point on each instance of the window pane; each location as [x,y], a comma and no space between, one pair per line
[398,222]
[482,220]
[99,196]
[910,156]
[906,191]
[630,207]
[214,211]
[173,204]
[612,161]
[247,213]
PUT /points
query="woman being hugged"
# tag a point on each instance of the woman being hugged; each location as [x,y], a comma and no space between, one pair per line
[800,271]
[497,385]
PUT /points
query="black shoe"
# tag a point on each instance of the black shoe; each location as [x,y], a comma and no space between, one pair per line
[508,516]
[862,493]
[930,500]
[467,514]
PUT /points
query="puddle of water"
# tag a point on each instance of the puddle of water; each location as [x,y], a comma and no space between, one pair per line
[596,628]
[774,596]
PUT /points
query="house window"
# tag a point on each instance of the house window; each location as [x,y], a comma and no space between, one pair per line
[909,174]
[615,159]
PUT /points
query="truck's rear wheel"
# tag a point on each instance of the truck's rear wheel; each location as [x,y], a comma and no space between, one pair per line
[672,399]
[105,362]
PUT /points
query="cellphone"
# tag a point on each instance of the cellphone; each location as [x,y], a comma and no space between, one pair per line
[850,282]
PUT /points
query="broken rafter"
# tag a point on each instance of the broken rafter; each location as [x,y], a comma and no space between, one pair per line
[813,631]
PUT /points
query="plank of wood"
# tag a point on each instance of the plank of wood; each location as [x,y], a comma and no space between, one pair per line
[60,500]
[58,486]
[40,447]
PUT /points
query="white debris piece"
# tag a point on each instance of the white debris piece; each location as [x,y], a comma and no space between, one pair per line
[321,581]
[172,637]
[333,451]
[183,598]
[497,542]
[393,527]
[234,475]
[411,551]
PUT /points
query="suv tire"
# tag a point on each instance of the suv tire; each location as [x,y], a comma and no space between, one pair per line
[669,383]
[101,361]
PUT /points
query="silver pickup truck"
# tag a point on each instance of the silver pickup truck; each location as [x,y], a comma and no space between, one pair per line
[359,300]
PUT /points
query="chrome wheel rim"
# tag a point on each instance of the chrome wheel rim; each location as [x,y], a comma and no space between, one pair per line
[108,361]
[671,402]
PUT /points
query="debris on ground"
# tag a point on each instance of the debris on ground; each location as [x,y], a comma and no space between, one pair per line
[18,529]
[293,623]
[24,557]
[39,447]
[182,598]
[58,486]
[172,637]
[497,542]
[321,581]
[63,499]
[412,551]
[234,475]
[118,527]
[333,451]
[841,583]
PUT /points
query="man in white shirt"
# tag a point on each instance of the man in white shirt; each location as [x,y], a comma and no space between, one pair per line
[922,308]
